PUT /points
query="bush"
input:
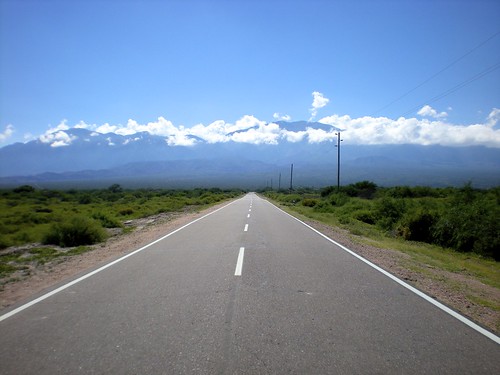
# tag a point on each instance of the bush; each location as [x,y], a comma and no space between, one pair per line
[126,211]
[418,226]
[115,188]
[106,221]
[291,198]
[338,199]
[470,224]
[309,202]
[85,199]
[326,191]
[324,207]
[362,189]
[24,189]
[365,216]
[76,231]
[388,211]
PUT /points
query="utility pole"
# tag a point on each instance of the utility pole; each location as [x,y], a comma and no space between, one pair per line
[338,160]
[279,183]
[291,178]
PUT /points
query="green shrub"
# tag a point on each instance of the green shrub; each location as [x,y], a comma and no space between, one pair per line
[470,224]
[326,191]
[324,207]
[45,210]
[290,198]
[115,188]
[309,202]
[388,211]
[126,211]
[419,226]
[106,221]
[362,189]
[338,199]
[85,199]
[366,216]
[77,231]
[24,189]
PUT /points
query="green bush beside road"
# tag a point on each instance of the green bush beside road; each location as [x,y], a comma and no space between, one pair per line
[464,219]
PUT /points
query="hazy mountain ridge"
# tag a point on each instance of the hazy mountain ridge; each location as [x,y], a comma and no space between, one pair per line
[93,157]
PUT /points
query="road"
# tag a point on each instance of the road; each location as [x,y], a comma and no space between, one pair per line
[245,290]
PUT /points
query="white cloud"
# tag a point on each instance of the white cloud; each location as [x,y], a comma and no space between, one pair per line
[428,111]
[319,101]
[213,133]
[83,125]
[7,133]
[263,134]
[382,130]
[62,126]
[57,138]
[493,118]
[279,116]
[293,137]
[106,128]
[246,122]
[319,135]
[180,140]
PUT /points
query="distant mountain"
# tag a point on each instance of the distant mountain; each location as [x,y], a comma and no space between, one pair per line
[141,159]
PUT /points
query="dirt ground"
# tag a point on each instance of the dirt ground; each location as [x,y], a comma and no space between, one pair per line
[37,278]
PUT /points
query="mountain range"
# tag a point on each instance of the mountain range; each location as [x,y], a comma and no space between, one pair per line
[84,158]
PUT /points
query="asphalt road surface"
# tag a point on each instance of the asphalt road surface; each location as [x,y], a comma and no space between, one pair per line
[244,290]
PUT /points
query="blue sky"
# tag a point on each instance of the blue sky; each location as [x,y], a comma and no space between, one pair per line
[103,64]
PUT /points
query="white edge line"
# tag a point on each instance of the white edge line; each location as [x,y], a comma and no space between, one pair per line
[239,262]
[71,283]
[445,308]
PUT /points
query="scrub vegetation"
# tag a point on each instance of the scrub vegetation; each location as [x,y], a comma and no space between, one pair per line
[64,223]
[462,219]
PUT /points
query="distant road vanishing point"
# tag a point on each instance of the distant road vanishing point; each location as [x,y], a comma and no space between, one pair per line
[246,289]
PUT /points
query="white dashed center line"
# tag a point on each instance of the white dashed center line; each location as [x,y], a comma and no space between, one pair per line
[246,228]
[239,263]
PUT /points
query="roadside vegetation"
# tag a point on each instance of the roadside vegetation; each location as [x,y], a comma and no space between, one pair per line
[65,223]
[465,219]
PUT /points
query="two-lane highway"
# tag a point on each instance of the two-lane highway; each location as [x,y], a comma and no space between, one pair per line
[248,290]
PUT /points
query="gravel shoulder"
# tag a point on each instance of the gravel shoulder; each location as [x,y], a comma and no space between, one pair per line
[449,288]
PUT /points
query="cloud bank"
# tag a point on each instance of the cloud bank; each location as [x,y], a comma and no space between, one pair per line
[435,130]
[382,130]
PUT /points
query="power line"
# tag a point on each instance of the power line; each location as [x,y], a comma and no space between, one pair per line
[438,73]
[481,74]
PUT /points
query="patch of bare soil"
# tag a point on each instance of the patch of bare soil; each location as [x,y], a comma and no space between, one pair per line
[452,289]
